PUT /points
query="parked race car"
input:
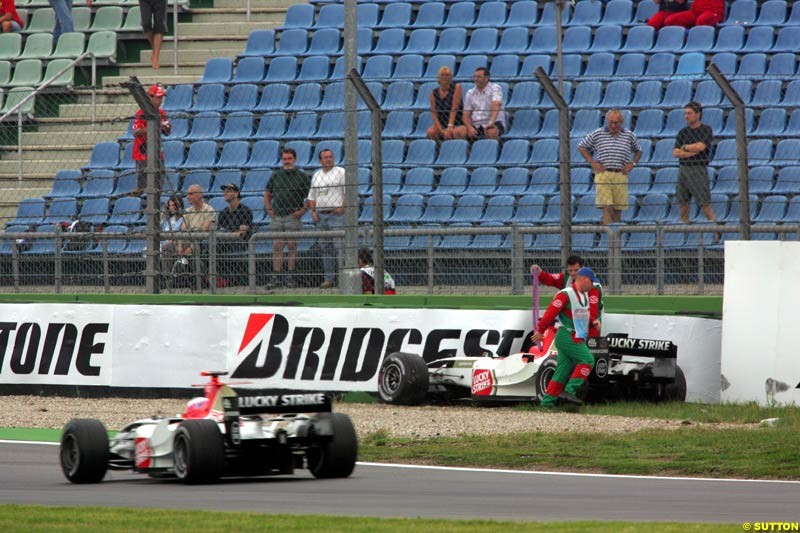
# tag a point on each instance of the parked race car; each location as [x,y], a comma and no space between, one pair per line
[220,434]
[624,368]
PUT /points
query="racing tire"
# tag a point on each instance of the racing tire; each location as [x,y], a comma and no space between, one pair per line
[676,391]
[337,457]
[544,375]
[403,379]
[84,450]
[198,452]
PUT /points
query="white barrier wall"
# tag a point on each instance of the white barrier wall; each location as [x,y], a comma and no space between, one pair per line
[297,347]
[762,287]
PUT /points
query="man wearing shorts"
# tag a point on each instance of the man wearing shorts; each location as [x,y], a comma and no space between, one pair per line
[484,115]
[692,147]
[285,202]
[154,25]
[612,152]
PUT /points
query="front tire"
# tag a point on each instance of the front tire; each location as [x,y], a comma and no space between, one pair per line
[337,457]
[84,450]
[403,379]
[199,452]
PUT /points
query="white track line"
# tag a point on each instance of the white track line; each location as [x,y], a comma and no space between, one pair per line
[522,472]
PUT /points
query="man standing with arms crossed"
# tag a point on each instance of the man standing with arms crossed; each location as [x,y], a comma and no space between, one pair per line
[612,152]
[326,201]
[575,313]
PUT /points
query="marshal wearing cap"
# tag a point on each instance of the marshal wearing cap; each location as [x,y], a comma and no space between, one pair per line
[156,90]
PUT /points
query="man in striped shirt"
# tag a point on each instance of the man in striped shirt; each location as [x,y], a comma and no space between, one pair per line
[612,152]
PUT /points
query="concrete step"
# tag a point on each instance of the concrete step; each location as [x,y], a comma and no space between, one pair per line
[33,177]
[167,78]
[48,153]
[48,137]
[241,27]
[11,195]
[206,42]
[84,111]
[199,56]
[39,168]
[255,3]
[226,16]
[145,71]
[67,126]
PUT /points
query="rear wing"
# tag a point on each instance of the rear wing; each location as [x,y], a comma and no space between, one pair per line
[618,345]
[257,404]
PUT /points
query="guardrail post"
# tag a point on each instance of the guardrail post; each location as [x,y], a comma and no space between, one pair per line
[212,262]
[660,258]
[517,260]
[106,268]
[251,265]
[58,271]
[430,270]
[175,35]
[614,260]
[350,282]
[701,266]
[19,144]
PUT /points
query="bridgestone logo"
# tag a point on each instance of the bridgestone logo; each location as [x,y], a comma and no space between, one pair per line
[52,349]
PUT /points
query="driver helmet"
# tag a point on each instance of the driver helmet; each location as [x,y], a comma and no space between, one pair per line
[197,407]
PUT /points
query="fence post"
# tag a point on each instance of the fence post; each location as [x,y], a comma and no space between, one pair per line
[349,283]
[517,260]
[175,36]
[377,175]
[564,179]
[741,149]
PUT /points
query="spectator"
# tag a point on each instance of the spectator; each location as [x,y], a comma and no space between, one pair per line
[236,217]
[284,201]
[171,221]
[701,13]
[612,152]
[156,94]
[9,18]
[666,9]
[484,115]
[199,217]
[154,25]
[692,148]
[368,274]
[63,12]
[446,109]
[326,201]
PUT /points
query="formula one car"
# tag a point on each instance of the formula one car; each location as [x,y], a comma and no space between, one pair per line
[624,367]
[220,434]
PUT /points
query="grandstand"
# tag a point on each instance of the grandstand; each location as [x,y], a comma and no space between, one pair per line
[284,85]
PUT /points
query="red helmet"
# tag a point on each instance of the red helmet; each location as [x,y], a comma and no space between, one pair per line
[197,407]
[156,90]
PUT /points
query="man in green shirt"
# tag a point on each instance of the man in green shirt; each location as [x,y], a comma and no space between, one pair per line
[284,201]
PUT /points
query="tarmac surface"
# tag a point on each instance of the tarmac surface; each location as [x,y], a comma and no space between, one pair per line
[31,475]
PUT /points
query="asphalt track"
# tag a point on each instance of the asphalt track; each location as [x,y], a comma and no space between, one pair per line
[30,475]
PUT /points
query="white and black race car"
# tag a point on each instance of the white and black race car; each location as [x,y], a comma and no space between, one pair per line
[624,368]
[220,434]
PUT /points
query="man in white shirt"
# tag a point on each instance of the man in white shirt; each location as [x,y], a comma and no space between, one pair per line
[326,202]
[484,114]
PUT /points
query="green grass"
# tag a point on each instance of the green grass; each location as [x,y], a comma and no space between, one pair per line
[29,518]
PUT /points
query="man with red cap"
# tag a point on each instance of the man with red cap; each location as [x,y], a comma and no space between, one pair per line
[575,312]
[156,94]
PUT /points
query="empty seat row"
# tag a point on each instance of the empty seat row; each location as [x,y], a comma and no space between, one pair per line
[31,72]
[102,45]
[106,18]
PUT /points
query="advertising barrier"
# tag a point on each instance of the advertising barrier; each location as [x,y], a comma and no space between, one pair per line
[289,347]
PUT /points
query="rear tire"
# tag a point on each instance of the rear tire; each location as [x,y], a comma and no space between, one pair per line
[198,452]
[337,457]
[403,379]
[544,375]
[676,392]
[84,450]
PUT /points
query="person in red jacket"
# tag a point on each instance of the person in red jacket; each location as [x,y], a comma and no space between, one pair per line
[575,312]
[701,13]
[565,279]
[9,18]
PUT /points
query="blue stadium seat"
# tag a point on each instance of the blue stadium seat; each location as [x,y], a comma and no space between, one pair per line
[786,41]
[607,39]
[532,62]
[418,181]
[640,241]
[243,97]
[218,70]
[761,179]
[260,43]
[421,41]
[782,65]
[661,64]
[482,181]
[526,94]
[201,154]
[201,177]
[647,95]
[234,154]
[333,99]
[586,211]
[104,155]
[332,16]
[504,67]
[665,181]
[173,153]
[460,15]
[396,15]
[391,41]
[577,39]
[786,153]
[631,65]
[581,181]
[662,153]
[393,152]
[759,39]
[429,15]
[126,161]
[730,124]
[99,184]
[469,209]
[303,126]
[726,62]
[771,123]
[250,70]
[62,210]
[670,39]
[772,211]
[585,122]
[639,180]
[499,209]
[293,42]
[677,94]
[255,182]
[699,39]
[543,40]
[274,97]
[271,126]
[544,180]
[741,12]
[218,203]
[513,181]
[438,61]
[392,181]
[481,41]
[399,124]
[314,68]
[513,41]
[733,213]
[408,209]
[179,99]
[552,215]
[238,126]
[127,211]
[788,182]
[210,97]
[30,212]
[645,10]
[379,66]
[324,42]
[525,124]
[729,39]
[439,209]
[95,211]
[483,152]
[586,13]
[299,16]
[66,184]
[452,152]
[691,65]
[451,41]
[420,152]
[713,117]
[752,66]
[424,121]
[544,152]
[617,12]
[639,39]
[306,97]
[649,123]
[793,124]
[467,67]
[399,95]
[708,93]
[491,15]
[205,126]
[281,69]
[617,95]
[600,64]
[409,66]
[653,209]
[514,153]
[521,13]
[793,210]
[529,210]
[260,216]
[453,181]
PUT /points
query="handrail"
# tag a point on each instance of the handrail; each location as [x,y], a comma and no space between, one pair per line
[18,108]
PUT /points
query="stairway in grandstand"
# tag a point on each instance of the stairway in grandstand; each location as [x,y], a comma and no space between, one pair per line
[264,88]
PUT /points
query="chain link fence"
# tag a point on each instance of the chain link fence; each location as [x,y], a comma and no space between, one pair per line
[462,215]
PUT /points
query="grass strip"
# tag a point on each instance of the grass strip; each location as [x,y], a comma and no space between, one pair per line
[30,518]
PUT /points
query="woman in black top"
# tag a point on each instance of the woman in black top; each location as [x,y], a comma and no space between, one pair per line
[446,108]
